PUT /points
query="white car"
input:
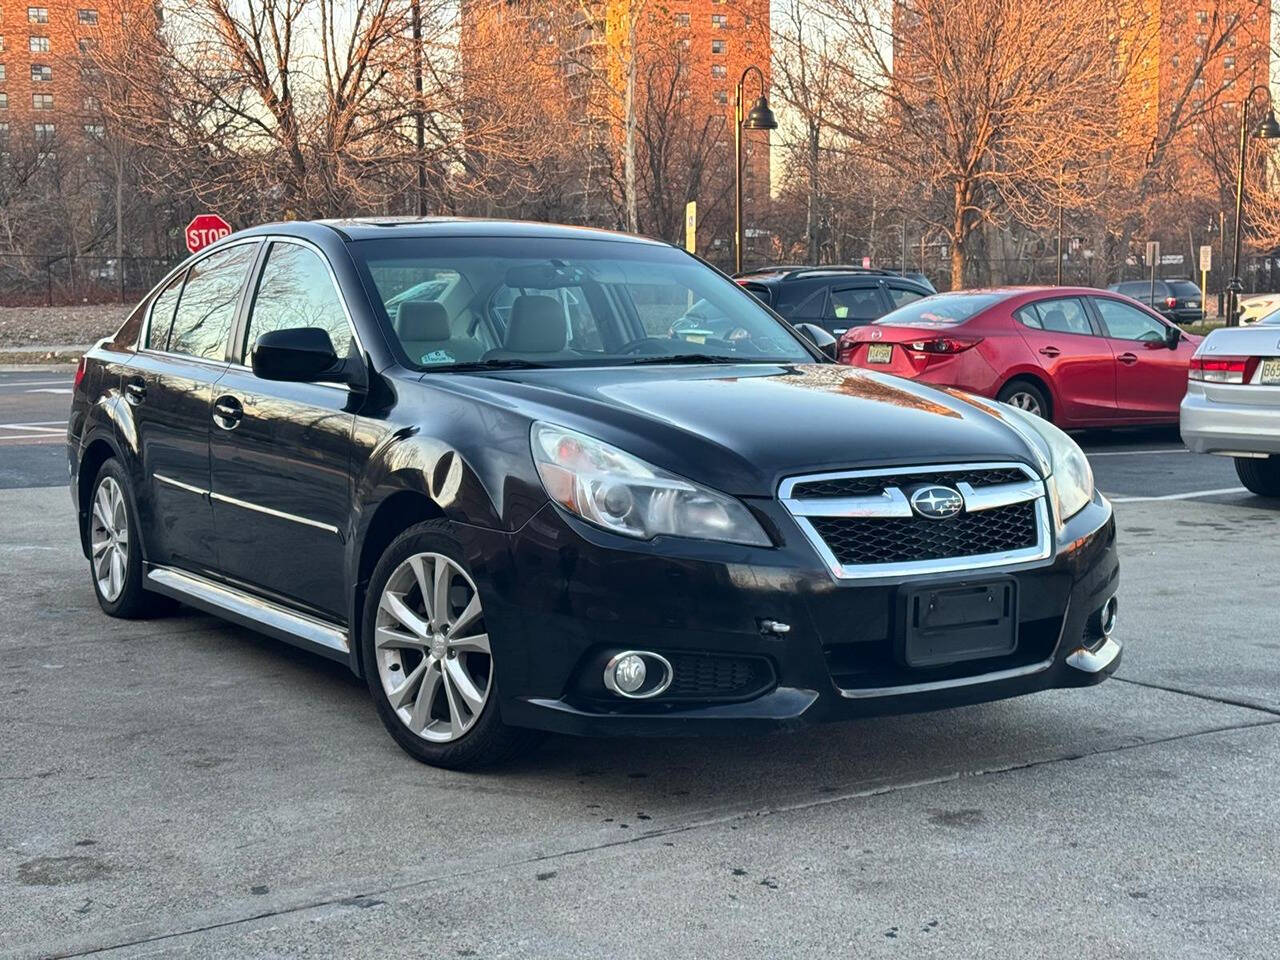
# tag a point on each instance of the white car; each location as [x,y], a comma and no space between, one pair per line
[1253,309]
[1232,406]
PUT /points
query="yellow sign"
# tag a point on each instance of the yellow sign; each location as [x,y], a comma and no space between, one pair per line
[691,226]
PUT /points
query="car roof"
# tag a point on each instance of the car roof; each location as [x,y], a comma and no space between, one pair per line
[788,272]
[370,228]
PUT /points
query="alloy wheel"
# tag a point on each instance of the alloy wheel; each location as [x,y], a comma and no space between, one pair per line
[431,649]
[1026,401]
[109,539]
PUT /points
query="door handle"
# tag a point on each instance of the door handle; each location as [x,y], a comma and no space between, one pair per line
[1128,359]
[135,390]
[1050,351]
[227,412]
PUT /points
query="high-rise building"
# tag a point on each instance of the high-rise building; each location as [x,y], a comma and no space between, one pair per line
[689,53]
[1199,58]
[50,67]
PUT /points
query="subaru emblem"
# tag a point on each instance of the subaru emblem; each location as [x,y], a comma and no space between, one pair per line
[936,503]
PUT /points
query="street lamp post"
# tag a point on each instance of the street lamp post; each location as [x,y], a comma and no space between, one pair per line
[1267,130]
[760,117]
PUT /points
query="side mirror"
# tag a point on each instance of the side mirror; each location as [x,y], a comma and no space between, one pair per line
[1172,336]
[818,337]
[297,355]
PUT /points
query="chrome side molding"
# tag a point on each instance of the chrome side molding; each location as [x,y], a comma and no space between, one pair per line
[250,611]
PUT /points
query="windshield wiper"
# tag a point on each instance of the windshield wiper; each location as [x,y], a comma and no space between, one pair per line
[506,363]
[697,358]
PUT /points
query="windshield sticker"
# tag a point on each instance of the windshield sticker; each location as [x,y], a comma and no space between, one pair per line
[437,356]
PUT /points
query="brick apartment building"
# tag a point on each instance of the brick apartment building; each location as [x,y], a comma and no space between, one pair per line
[1197,56]
[710,42]
[50,67]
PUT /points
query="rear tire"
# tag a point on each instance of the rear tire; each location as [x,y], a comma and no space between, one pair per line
[115,548]
[427,658]
[1026,396]
[1260,476]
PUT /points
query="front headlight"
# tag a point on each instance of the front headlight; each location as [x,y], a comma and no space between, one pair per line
[612,489]
[1065,466]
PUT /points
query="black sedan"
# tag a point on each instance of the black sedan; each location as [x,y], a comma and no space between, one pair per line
[493,469]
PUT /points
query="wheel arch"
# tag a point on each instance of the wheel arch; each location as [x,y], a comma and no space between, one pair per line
[396,510]
[98,451]
[1037,380]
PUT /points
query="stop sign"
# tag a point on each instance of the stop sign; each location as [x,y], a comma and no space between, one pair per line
[204,230]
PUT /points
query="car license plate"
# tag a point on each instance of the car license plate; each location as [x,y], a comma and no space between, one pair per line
[1193,304]
[880,353]
[942,625]
[1270,370]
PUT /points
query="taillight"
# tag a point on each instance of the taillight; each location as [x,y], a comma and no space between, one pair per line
[1222,369]
[79,374]
[1170,302]
[942,345]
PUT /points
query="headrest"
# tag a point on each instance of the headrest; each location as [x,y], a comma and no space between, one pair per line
[419,320]
[536,325]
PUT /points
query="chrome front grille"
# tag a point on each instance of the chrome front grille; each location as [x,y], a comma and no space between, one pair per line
[862,522]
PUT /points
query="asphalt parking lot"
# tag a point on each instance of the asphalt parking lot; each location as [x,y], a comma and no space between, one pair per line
[183,787]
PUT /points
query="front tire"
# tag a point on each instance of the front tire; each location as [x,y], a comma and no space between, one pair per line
[115,548]
[1260,476]
[427,657]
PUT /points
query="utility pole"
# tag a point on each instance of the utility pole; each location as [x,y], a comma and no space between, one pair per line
[419,120]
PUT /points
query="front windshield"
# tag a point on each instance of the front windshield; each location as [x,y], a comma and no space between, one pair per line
[504,301]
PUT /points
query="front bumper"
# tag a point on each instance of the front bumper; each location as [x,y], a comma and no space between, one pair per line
[1230,418]
[566,595]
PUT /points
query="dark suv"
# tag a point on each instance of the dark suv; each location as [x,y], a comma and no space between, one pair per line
[493,469]
[833,298]
[1178,300]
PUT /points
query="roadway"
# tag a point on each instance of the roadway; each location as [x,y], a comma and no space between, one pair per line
[184,788]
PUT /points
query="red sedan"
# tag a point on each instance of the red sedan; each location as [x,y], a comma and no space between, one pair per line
[1078,356]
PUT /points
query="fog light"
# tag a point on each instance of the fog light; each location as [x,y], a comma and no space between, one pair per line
[629,673]
[1108,619]
[637,674]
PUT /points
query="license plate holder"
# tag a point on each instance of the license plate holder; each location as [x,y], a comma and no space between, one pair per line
[942,625]
[1270,371]
[880,353]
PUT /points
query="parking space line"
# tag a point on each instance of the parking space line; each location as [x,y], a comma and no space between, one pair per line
[42,426]
[33,383]
[1134,453]
[1178,496]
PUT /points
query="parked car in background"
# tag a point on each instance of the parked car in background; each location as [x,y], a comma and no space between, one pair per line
[834,298]
[1232,405]
[1177,299]
[1075,355]
[1253,309]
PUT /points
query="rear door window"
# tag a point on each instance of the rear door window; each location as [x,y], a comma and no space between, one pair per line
[855,305]
[207,307]
[1062,315]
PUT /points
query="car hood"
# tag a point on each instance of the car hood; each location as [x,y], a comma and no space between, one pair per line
[743,428]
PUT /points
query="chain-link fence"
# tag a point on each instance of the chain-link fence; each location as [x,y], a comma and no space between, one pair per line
[29,279]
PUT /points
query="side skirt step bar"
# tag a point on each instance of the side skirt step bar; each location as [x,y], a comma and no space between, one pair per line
[253,612]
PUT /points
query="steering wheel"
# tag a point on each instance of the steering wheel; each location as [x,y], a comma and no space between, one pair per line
[633,346]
